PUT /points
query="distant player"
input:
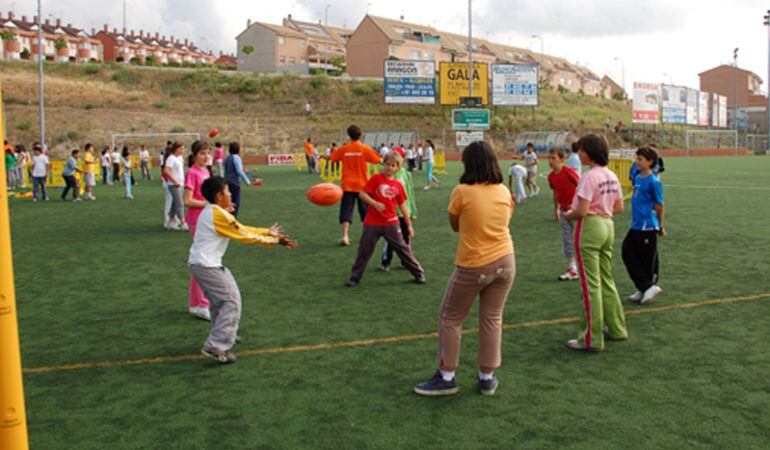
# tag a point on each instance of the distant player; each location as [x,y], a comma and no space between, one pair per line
[563,180]
[215,227]
[530,162]
[574,159]
[517,175]
[640,247]
[354,156]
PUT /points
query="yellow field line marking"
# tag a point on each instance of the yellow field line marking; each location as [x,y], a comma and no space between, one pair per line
[374,341]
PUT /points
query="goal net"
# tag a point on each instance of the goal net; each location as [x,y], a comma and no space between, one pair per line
[711,139]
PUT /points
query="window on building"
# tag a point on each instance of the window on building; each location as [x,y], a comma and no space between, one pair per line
[282,59]
[428,55]
[414,54]
[561,81]
[569,82]
[391,50]
[302,61]
[292,60]
[281,40]
[303,44]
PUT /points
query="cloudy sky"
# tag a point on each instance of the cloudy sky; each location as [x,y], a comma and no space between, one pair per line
[655,40]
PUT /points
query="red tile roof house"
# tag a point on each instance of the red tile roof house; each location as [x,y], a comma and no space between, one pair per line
[76,45]
[123,47]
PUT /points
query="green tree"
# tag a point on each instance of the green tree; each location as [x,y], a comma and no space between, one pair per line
[59,44]
[248,49]
[8,35]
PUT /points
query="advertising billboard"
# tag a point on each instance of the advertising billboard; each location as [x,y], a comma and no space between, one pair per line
[692,106]
[453,80]
[722,111]
[714,110]
[410,82]
[646,103]
[704,109]
[674,101]
[514,85]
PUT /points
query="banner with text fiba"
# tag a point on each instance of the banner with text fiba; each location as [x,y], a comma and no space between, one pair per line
[674,102]
[410,82]
[646,103]
[692,106]
[514,84]
[704,110]
[722,111]
[453,80]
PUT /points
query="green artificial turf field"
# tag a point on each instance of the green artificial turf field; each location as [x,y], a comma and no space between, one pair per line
[102,282]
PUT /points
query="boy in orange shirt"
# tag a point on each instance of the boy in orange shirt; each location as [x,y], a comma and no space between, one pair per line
[354,156]
[309,156]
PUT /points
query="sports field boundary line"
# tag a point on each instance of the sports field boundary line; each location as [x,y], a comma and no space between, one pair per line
[375,341]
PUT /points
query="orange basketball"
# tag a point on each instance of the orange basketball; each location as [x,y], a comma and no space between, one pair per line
[324,194]
[213,133]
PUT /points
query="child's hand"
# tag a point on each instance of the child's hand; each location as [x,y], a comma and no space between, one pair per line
[230,208]
[662,232]
[411,231]
[276,231]
[380,207]
[286,242]
[557,214]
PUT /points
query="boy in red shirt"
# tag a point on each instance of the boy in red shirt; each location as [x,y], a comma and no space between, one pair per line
[383,193]
[354,156]
[563,181]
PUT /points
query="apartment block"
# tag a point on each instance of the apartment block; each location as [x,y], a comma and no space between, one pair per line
[61,42]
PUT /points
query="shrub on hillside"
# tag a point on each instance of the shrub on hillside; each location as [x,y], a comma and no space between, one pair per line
[365,88]
[161,104]
[127,78]
[320,82]
[250,85]
[91,69]
[23,125]
[178,129]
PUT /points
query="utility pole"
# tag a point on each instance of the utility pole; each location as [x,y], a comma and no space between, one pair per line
[470,51]
[735,89]
[326,30]
[124,17]
[622,73]
[767,80]
[536,36]
[40,50]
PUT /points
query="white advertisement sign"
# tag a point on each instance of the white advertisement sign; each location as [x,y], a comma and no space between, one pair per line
[674,102]
[692,106]
[514,85]
[465,138]
[722,111]
[646,103]
[704,112]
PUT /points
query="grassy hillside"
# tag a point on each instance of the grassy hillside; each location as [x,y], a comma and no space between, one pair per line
[89,102]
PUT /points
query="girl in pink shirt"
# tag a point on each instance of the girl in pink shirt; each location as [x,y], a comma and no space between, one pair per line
[597,198]
[194,201]
[219,159]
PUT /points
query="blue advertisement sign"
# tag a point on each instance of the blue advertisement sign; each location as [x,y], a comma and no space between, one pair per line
[410,82]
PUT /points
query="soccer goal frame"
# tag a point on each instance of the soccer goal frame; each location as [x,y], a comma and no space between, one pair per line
[691,139]
[122,136]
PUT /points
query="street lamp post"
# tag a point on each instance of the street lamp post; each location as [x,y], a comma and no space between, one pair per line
[40,49]
[470,51]
[535,36]
[767,24]
[735,89]
[670,80]
[622,73]
[326,30]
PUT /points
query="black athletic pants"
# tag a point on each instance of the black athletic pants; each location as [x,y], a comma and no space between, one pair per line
[640,255]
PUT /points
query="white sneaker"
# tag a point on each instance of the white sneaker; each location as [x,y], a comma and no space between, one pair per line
[650,294]
[426,188]
[184,227]
[635,297]
[570,274]
[79,199]
[200,312]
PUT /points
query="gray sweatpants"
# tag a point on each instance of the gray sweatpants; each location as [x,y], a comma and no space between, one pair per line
[221,290]
[567,231]
[368,243]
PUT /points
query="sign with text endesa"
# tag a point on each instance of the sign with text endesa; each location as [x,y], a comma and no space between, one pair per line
[646,103]
[454,82]
[465,138]
[514,85]
[410,82]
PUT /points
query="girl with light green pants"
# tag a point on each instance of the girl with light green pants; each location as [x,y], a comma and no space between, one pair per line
[597,198]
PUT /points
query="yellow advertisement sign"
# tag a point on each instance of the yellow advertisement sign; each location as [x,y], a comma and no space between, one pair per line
[453,78]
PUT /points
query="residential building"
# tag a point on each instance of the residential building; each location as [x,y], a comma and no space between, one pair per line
[613,89]
[128,46]
[324,44]
[730,81]
[61,42]
[225,60]
[264,47]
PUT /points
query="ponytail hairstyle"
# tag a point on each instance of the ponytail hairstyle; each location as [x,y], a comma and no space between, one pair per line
[197,147]
[170,150]
[430,144]
[596,147]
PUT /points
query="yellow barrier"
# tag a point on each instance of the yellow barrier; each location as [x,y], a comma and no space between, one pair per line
[330,171]
[13,422]
[440,166]
[371,169]
[621,167]
[300,162]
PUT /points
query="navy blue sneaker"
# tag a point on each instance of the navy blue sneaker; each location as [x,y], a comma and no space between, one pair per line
[488,387]
[437,386]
